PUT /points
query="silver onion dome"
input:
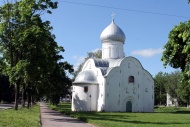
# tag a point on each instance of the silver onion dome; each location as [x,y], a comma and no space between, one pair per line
[113,33]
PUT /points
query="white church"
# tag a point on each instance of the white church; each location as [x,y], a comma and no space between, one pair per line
[114,83]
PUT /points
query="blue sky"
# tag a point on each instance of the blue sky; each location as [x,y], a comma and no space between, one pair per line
[78,24]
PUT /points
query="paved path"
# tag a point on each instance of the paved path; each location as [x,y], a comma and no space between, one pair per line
[51,118]
[6,106]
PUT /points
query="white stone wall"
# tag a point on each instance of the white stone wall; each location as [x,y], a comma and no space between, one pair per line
[84,101]
[118,89]
[98,92]
[113,91]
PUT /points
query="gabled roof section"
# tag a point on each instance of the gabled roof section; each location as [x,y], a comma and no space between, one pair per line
[100,62]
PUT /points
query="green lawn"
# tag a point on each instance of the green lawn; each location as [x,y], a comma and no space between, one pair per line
[22,118]
[162,117]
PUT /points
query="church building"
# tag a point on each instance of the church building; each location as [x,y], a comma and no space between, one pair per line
[114,83]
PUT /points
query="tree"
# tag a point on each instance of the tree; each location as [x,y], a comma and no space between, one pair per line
[96,54]
[160,81]
[177,49]
[60,82]
[22,36]
[184,91]
[173,82]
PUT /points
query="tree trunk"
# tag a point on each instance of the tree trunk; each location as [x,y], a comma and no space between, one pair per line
[160,96]
[17,88]
[29,101]
[23,96]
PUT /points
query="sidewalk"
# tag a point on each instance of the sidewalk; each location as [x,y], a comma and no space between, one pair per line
[51,118]
[6,106]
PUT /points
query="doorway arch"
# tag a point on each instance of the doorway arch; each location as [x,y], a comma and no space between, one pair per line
[129,106]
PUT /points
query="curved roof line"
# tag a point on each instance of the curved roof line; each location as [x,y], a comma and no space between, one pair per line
[112,32]
[136,60]
[141,65]
[87,76]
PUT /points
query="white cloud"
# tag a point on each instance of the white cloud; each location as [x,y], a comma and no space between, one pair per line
[147,52]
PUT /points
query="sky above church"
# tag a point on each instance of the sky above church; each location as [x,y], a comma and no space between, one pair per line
[146,23]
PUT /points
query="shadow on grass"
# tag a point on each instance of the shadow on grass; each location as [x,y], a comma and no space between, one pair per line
[111,118]
[121,117]
[182,112]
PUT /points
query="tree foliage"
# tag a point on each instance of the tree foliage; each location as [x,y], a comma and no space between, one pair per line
[160,81]
[96,54]
[173,84]
[183,92]
[177,49]
[30,51]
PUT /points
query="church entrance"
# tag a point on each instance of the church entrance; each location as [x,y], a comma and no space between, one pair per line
[129,106]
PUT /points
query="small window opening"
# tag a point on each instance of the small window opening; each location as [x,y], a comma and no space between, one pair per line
[86,89]
[131,79]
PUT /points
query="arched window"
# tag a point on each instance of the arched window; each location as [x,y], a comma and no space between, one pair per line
[131,79]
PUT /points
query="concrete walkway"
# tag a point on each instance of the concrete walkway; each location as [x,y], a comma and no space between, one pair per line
[51,118]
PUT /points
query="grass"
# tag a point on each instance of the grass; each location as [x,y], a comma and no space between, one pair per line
[162,117]
[22,118]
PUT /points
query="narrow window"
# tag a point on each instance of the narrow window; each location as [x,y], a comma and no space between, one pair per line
[90,66]
[86,89]
[131,79]
[127,91]
[134,90]
[109,52]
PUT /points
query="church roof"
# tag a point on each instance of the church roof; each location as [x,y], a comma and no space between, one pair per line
[87,76]
[106,65]
[113,33]
[100,62]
